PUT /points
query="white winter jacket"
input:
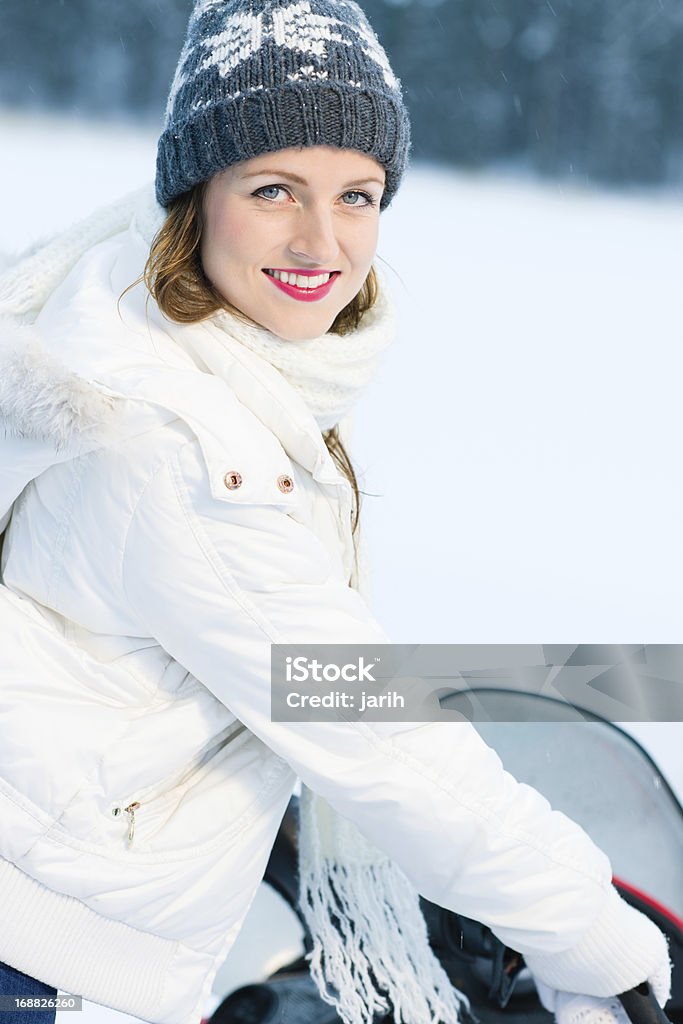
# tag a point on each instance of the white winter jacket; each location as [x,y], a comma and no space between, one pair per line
[141,596]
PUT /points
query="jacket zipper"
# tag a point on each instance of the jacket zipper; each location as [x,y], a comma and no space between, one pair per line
[183,775]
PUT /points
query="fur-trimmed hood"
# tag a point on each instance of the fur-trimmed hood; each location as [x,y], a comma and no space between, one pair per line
[42,400]
[48,412]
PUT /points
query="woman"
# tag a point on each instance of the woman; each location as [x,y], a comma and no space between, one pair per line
[177,498]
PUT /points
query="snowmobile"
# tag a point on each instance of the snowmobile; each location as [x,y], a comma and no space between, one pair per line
[614,790]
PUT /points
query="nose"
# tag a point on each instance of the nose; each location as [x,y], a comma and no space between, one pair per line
[315,240]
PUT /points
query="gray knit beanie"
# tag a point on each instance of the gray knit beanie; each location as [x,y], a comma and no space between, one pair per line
[255,76]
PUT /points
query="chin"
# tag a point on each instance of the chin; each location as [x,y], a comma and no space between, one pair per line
[302,332]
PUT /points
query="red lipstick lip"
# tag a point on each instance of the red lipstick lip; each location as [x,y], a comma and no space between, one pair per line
[304,273]
[305,294]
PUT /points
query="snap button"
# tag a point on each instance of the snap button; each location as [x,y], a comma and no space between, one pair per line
[232,480]
[285,483]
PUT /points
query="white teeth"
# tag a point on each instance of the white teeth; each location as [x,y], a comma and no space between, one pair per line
[316,282]
[298,279]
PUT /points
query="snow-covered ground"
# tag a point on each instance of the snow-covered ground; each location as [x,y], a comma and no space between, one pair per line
[522,440]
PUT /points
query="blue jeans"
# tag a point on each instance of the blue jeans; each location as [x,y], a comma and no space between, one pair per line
[14,983]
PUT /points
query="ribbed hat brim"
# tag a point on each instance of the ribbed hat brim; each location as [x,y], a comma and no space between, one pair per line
[300,114]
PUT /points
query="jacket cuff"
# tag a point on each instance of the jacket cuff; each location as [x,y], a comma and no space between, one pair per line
[621,949]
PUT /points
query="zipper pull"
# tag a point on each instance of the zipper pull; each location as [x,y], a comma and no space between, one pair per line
[130,811]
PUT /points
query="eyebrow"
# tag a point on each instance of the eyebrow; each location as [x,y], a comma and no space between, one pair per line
[274,173]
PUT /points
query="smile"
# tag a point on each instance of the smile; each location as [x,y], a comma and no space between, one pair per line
[304,285]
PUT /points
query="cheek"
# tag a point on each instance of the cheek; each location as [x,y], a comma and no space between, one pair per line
[228,235]
[363,245]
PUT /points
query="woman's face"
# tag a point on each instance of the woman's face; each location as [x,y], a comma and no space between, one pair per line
[289,237]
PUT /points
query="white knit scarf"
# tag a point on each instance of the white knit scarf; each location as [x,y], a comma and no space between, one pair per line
[370,951]
[329,372]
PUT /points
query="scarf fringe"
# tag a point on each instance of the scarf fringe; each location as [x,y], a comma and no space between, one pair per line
[371,951]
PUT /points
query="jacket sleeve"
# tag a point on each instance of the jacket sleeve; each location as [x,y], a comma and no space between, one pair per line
[216,582]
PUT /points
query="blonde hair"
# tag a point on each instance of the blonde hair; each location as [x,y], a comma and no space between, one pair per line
[175,278]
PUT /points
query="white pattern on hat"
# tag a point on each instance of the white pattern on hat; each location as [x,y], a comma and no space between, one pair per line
[241,38]
[296,28]
[308,71]
[374,51]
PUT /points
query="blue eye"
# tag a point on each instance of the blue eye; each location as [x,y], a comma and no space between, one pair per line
[367,199]
[274,191]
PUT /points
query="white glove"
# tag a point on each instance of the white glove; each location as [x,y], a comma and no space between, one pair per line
[570,1008]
